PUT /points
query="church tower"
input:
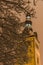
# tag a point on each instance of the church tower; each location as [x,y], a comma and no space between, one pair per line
[34,46]
[33,50]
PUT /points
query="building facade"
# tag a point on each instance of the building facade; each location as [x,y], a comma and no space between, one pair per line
[33,51]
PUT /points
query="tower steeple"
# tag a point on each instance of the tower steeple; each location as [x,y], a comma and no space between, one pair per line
[34,45]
